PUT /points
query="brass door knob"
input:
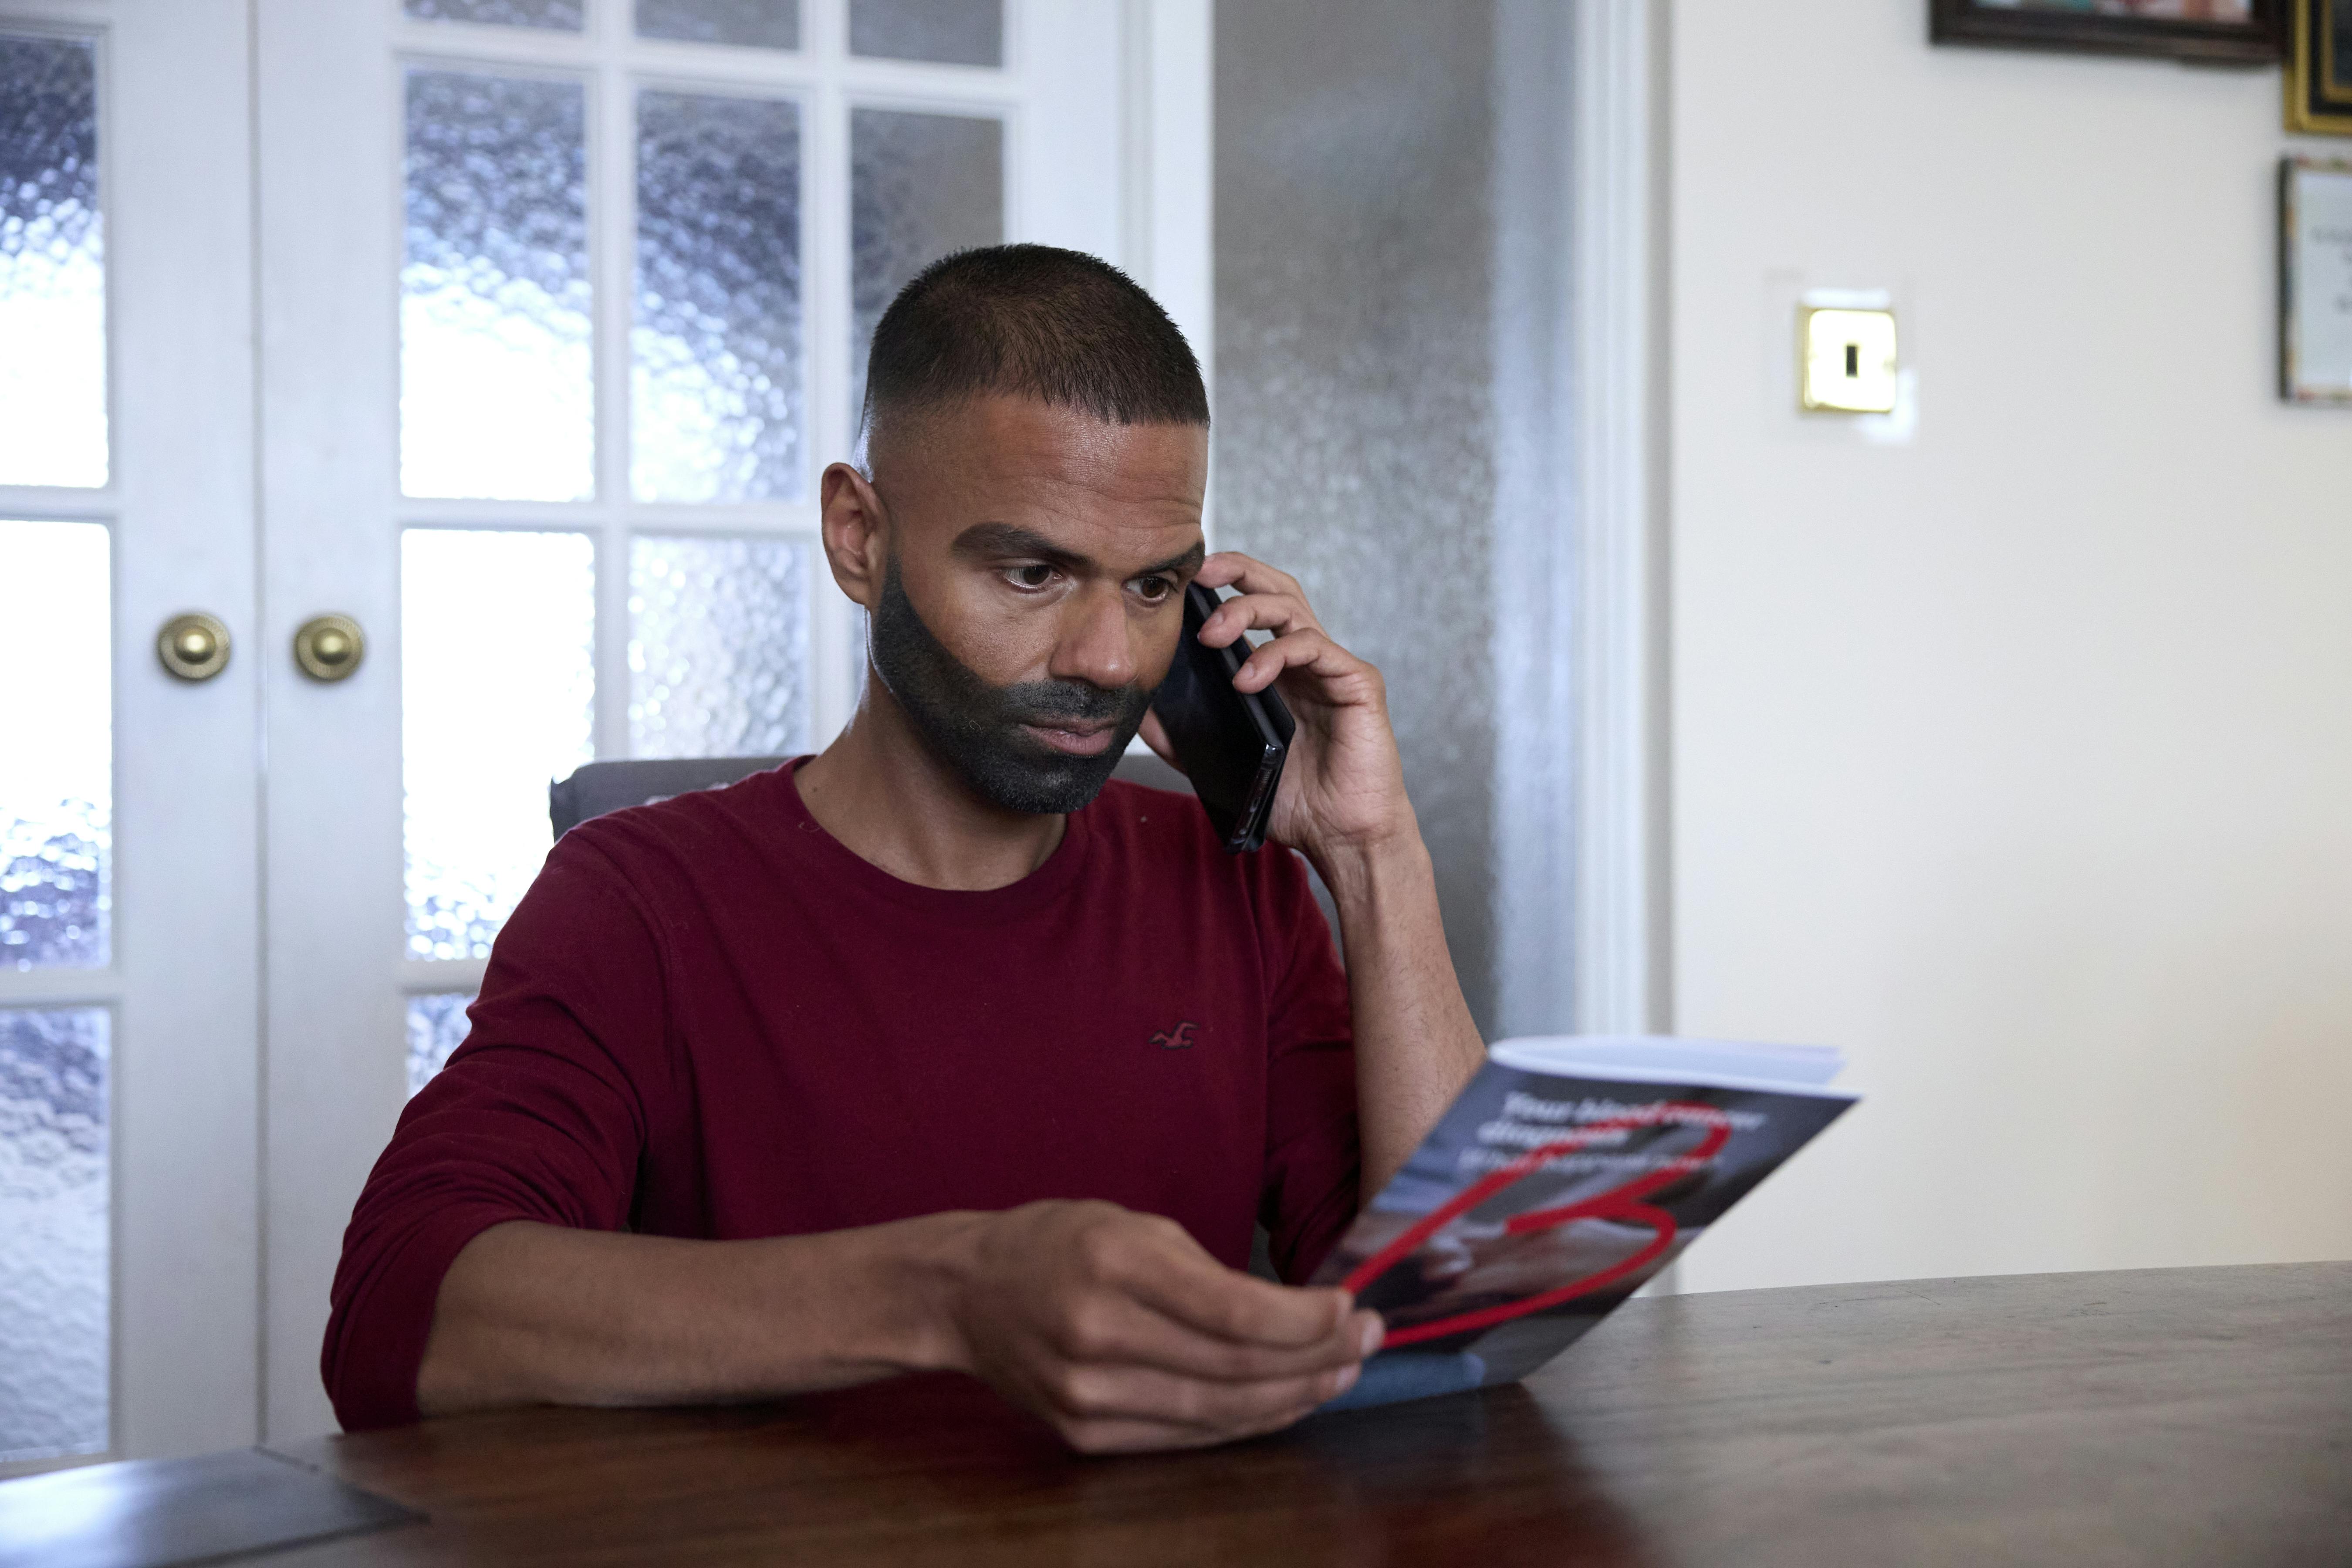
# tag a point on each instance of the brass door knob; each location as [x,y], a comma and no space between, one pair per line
[194,646]
[328,647]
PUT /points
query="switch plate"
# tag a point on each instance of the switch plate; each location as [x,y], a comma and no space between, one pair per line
[1846,361]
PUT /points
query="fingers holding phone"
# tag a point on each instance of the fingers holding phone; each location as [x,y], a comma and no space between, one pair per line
[1340,783]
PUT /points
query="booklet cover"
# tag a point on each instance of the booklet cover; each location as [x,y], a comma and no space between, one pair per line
[1571,1169]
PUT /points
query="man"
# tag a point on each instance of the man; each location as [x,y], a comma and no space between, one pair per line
[938,1050]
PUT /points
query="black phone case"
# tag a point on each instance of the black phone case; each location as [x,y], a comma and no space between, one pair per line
[1230,744]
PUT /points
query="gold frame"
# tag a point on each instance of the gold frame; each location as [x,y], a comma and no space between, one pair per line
[2305,60]
[2256,40]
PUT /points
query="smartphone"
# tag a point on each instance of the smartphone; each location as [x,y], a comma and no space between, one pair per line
[1230,744]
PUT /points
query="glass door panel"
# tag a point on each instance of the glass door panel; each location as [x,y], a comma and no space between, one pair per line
[56,1279]
[436,1026]
[760,24]
[497,673]
[52,264]
[718,647]
[920,186]
[56,1274]
[497,394]
[945,32]
[57,746]
[55,843]
[551,16]
[715,352]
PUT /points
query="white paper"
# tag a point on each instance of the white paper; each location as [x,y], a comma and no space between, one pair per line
[1647,1057]
[2322,261]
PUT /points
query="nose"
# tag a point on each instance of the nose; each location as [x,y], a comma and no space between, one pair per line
[1097,643]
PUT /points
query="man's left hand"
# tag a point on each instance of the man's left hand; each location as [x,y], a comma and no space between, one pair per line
[1343,784]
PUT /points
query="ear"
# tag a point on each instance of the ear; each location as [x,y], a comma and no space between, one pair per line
[853,527]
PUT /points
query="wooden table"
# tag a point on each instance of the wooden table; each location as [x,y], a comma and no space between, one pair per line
[2170,1417]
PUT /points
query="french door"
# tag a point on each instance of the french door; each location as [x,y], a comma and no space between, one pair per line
[129,1213]
[493,447]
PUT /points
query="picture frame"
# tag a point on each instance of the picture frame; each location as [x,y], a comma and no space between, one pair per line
[2316,280]
[2238,32]
[2319,69]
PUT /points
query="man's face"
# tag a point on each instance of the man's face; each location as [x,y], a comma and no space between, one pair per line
[1033,588]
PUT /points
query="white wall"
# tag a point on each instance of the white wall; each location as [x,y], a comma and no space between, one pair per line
[2017,760]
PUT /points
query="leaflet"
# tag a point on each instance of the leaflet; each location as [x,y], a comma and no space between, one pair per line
[1572,1170]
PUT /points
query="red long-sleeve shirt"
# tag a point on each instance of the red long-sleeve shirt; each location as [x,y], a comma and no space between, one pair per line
[709,1018]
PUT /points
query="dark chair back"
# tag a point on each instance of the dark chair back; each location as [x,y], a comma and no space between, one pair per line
[596,788]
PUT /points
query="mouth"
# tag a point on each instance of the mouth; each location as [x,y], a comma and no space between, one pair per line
[1073,739]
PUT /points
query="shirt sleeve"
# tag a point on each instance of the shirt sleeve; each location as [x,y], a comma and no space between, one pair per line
[1313,1160]
[541,1115]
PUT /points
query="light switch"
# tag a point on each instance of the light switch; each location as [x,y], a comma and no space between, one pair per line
[1846,359]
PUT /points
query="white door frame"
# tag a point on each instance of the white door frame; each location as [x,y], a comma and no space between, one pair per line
[1618,243]
[1167,238]
[1578,622]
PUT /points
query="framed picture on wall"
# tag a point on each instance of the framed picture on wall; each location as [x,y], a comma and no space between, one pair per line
[2232,32]
[2316,280]
[2319,70]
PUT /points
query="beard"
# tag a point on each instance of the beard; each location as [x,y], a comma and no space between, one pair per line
[976,728]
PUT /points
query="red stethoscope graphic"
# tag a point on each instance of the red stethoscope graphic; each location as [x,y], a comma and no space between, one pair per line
[1619,1202]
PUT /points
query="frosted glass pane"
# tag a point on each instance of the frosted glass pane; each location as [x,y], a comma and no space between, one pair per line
[57,746]
[952,32]
[717,647]
[716,379]
[920,185]
[52,266]
[562,15]
[54,1189]
[1374,330]
[495,397]
[436,1026]
[763,24]
[498,697]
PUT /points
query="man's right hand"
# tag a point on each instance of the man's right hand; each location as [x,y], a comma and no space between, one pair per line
[1120,1332]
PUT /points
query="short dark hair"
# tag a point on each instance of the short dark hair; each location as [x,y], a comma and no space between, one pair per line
[1032,321]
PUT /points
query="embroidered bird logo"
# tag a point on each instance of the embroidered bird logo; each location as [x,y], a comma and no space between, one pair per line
[1178,1038]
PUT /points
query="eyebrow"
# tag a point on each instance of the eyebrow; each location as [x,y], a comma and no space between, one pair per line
[987,538]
